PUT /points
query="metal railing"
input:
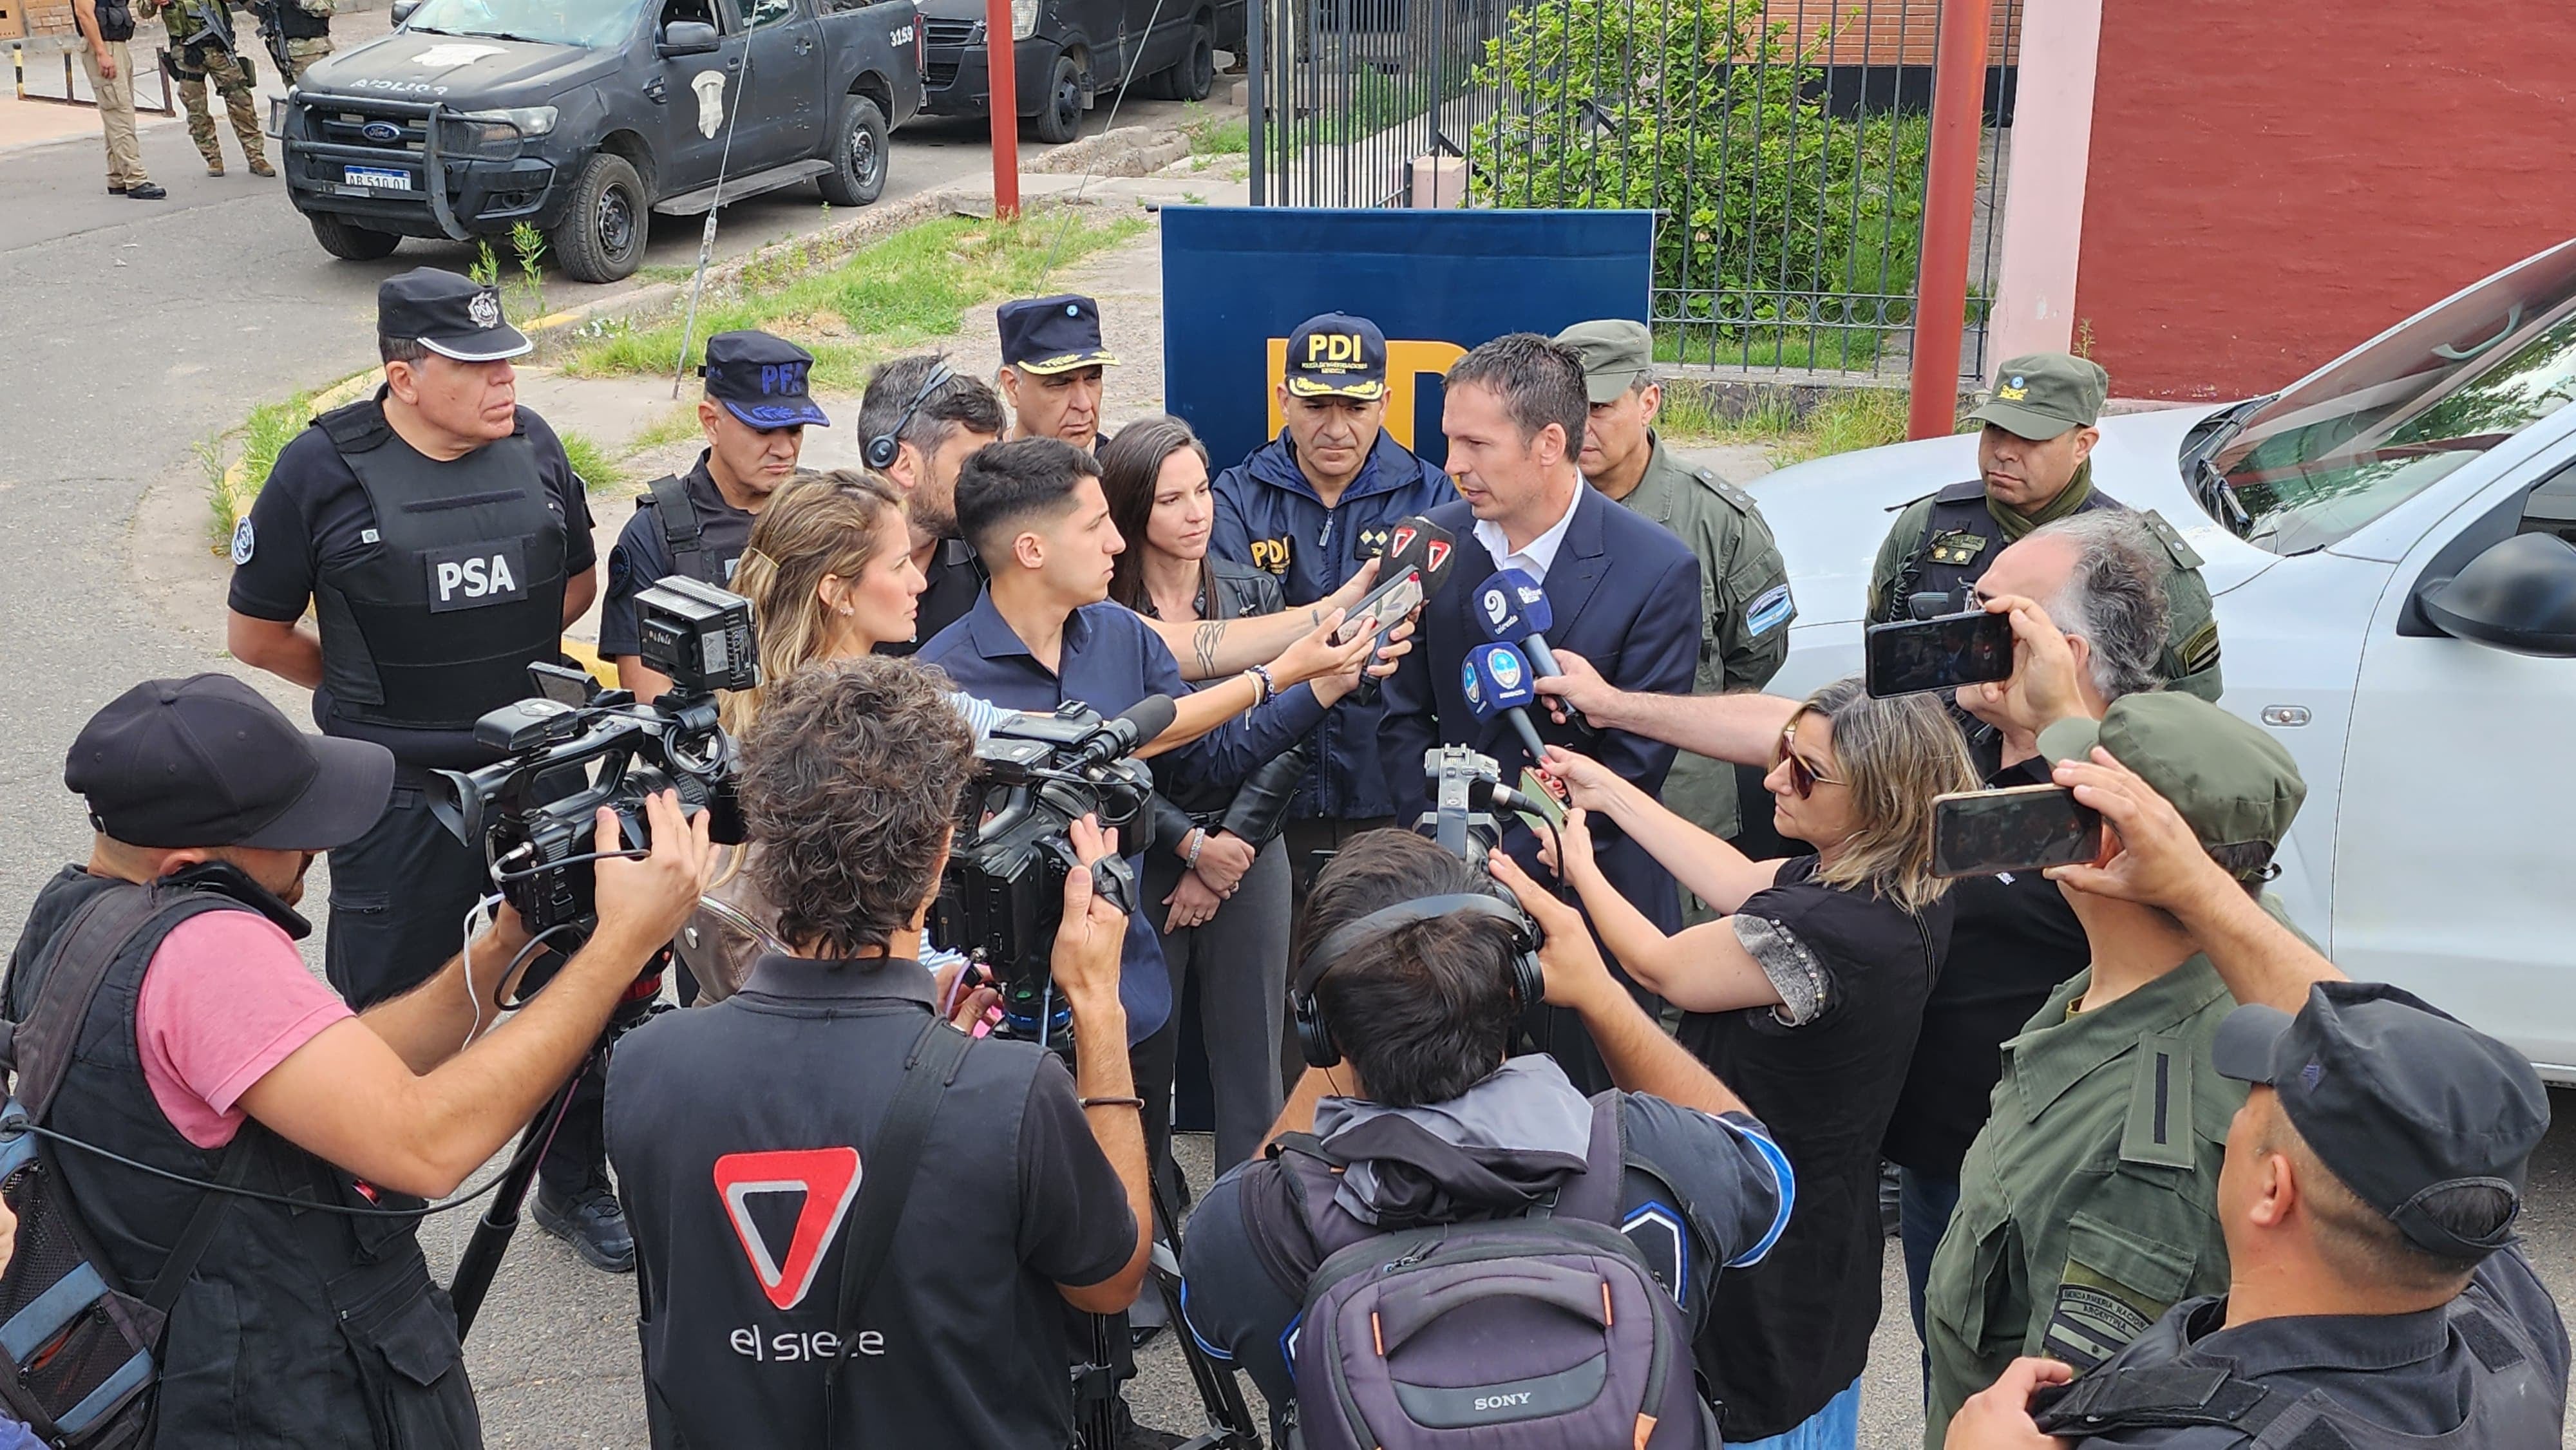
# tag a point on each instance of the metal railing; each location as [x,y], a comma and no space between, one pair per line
[1781,145]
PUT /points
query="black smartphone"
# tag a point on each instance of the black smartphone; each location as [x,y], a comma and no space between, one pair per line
[2024,828]
[1937,654]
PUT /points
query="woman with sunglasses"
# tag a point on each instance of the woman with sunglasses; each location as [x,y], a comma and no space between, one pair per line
[1806,998]
[1217,881]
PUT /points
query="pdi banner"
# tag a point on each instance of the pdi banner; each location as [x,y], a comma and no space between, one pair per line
[1238,280]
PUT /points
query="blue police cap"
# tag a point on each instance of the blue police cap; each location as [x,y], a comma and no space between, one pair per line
[1052,334]
[761,380]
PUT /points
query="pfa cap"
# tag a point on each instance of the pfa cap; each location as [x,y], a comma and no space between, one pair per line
[1052,334]
[761,380]
[2397,1099]
[1337,356]
[1615,354]
[2232,782]
[206,761]
[2042,394]
[450,315]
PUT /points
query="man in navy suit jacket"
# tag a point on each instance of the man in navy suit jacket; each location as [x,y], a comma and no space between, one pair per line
[1624,592]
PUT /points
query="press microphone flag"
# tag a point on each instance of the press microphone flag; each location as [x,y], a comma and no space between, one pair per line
[1497,682]
[1515,609]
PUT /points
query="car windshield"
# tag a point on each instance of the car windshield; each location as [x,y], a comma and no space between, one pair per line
[551,22]
[2316,463]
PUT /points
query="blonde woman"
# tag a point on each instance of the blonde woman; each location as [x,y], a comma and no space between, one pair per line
[1805,998]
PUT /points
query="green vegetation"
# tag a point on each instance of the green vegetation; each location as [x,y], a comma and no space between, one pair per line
[592,463]
[1844,421]
[270,427]
[1785,236]
[679,421]
[1210,136]
[523,297]
[909,288]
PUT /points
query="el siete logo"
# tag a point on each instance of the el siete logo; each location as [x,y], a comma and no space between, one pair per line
[1406,360]
[827,1179]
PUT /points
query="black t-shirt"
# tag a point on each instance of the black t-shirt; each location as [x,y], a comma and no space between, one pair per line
[1786,1337]
[640,558]
[956,581]
[312,509]
[2015,940]
[736,1129]
[1715,1179]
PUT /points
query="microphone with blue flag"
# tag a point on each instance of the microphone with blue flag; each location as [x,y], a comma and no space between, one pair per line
[1497,682]
[1515,610]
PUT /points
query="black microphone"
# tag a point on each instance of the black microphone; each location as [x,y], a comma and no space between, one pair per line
[1140,723]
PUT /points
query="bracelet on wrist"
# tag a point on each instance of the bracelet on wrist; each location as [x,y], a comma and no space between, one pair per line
[1198,839]
[1136,1103]
[1262,681]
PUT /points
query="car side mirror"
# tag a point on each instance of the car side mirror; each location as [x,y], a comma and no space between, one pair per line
[687,37]
[2519,595]
[402,11]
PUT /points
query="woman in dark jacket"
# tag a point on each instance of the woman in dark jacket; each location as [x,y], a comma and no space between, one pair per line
[1805,998]
[1216,882]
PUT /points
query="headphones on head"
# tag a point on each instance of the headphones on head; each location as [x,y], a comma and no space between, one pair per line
[1315,1038]
[883,449]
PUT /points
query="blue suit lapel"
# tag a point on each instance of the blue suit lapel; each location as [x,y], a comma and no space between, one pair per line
[1580,565]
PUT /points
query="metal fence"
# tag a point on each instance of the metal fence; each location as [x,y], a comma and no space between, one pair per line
[1781,145]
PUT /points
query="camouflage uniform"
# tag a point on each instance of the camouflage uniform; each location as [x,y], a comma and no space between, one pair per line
[196,56]
[303,50]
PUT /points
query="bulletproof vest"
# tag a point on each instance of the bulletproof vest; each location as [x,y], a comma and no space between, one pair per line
[295,22]
[297,1327]
[703,549]
[2512,1398]
[461,590]
[115,20]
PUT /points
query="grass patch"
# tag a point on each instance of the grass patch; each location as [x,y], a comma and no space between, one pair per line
[676,423]
[1844,422]
[269,428]
[907,289]
[1210,136]
[592,463]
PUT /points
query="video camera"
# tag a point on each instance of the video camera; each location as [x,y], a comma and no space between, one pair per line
[1466,790]
[574,748]
[1003,895]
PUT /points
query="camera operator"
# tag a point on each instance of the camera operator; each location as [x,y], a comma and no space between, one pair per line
[1044,633]
[2099,575]
[782,1092]
[2372,1177]
[1434,1125]
[439,536]
[212,1053]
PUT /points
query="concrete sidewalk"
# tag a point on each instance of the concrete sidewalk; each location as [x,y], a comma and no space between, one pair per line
[42,117]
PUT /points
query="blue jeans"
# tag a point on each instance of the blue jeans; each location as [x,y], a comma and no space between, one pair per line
[1924,1204]
[1835,1427]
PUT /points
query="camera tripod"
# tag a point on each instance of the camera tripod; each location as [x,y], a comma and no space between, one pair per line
[1095,1398]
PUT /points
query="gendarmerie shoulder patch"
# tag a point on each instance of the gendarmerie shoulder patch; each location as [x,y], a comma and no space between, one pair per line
[2176,546]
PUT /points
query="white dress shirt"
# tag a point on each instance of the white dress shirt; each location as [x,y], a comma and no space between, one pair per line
[1541,551]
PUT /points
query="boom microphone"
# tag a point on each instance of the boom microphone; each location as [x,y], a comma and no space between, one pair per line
[1515,610]
[1497,682]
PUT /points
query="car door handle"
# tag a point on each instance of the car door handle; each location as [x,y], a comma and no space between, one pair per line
[804,47]
[658,93]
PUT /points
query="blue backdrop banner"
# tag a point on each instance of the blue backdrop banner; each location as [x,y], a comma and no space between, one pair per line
[1238,280]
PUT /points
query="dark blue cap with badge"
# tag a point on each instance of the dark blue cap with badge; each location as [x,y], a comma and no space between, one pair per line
[1337,356]
[761,380]
[1052,334]
[452,316]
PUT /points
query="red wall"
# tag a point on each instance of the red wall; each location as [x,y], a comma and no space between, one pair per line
[2272,184]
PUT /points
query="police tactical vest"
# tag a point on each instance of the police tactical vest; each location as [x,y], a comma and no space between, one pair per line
[436,622]
[115,20]
[684,540]
[2513,1401]
[295,22]
[297,1328]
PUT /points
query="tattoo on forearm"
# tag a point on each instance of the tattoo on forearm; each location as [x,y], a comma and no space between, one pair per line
[1207,637]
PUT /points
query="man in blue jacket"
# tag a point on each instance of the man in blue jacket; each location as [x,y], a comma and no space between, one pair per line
[1311,506]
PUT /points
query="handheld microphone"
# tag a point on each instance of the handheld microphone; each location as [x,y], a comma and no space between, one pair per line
[1515,610]
[1418,543]
[1497,682]
[1140,723]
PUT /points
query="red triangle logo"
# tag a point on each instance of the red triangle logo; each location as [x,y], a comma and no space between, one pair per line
[1435,557]
[1401,539]
[829,1180]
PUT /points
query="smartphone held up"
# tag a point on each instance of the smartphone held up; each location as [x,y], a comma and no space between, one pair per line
[2005,832]
[1941,653]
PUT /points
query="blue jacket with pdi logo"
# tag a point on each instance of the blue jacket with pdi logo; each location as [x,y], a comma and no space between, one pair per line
[1267,516]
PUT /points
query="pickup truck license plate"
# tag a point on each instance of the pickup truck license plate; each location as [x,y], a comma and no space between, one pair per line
[380,178]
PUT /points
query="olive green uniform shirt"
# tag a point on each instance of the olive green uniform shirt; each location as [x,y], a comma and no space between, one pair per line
[2088,1203]
[2190,660]
[1745,609]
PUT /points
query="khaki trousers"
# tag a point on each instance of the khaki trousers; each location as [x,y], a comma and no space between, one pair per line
[116,114]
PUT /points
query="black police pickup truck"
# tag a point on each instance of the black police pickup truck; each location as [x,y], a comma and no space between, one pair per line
[1067,52]
[585,117]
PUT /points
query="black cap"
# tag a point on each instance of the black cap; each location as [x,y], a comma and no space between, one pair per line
[761,380]
[1337,356]
[450,315]
[2397,1098]
[1052,334]
[207,761]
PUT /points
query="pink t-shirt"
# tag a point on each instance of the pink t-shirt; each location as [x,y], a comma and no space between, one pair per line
[225,999]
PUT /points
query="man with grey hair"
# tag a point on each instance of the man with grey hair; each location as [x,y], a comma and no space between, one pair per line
[918,421]
[2094,580]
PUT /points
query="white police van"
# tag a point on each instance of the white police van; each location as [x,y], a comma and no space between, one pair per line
[2392,545]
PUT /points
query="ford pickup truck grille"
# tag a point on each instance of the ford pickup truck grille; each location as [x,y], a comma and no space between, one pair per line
[343,126]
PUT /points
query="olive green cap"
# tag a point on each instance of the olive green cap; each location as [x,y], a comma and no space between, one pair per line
[1614,354]
[2042,394]
[2232,782]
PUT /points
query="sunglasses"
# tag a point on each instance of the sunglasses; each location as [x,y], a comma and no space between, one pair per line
[1803,777]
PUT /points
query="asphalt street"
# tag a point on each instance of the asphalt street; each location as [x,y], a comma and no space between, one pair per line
[135,330]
